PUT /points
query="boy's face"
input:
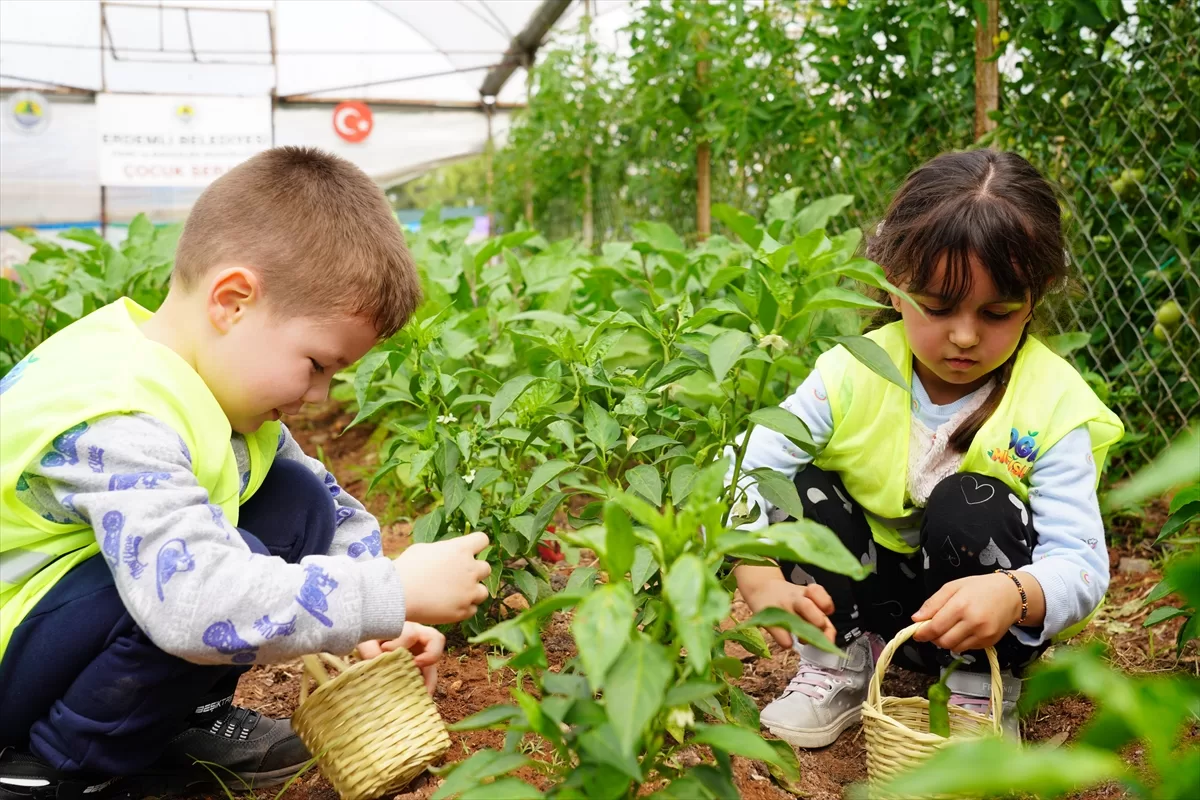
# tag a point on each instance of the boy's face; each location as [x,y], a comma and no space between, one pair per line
[263,364]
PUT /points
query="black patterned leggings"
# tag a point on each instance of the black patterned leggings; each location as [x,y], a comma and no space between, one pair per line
[972,525]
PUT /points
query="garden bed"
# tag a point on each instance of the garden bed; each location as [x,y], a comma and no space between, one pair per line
[466,686]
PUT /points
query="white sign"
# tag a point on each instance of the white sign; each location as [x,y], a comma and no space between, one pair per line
[177,140]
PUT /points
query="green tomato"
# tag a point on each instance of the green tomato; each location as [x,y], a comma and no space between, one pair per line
[1169,315]
[1161,333]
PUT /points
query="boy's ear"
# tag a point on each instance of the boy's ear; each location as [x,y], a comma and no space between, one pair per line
[232,291]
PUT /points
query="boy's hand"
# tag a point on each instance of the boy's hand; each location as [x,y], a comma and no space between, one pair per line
[970,613]
[811,603]
[443,580]
[425,643]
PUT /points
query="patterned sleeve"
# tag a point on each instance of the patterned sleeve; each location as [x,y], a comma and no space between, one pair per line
[183,572]
[357,533]
[767,448]
[1070,559]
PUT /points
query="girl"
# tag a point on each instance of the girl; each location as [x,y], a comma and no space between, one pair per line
[974,499]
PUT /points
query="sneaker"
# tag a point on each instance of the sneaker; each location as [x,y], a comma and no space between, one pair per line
[26,777]
[826,696]
[243,749]
[972,691]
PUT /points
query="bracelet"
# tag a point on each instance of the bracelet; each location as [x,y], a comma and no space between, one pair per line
[1021,589]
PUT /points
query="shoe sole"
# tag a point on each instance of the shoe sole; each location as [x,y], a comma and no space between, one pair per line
[810,738]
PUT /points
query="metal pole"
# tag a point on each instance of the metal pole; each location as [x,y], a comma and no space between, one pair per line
[589,220]
[703,159]
[488,152]
[271,20]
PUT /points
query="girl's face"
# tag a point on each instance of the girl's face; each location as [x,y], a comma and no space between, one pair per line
[957,346]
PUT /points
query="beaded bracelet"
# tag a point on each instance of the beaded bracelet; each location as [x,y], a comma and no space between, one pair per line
[1021,589]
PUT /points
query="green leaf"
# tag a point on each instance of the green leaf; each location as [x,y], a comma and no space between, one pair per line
[735,741]
[635,687]
[743,709]
[600,428]
[778,490]
[749,638]
[802,629]
[1176,466]
[697,603]
[998,765]
[619,542]
[781,420]
[503,789]
[1066,343]
[506,395]
[454,491]
[837,297]
[1178,520]
[873,357]
[426,528]
[803,541]
[817,214]
[724,352]
[741,223]
[659,236]
[1185,497]
[582,579]
[491,717]
[681,481]
[1162,614]
[786,769]
[602,625]
[651,442]
[542,474]
[691,692]
[527,584]
[643,567]
[645,481]
[480,766]
[601,745]
[71,305]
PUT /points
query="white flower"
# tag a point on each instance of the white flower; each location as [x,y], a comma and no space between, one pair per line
[774,341]
[469,477]
[740,509]
[630,442]
[446,419]
[681,717]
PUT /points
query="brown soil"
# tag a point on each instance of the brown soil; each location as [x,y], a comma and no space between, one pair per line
[466,684]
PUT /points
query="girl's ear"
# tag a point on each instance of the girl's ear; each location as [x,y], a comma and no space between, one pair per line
[895,298]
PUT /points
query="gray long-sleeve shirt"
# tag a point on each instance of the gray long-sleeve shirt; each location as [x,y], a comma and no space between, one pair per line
[186,575]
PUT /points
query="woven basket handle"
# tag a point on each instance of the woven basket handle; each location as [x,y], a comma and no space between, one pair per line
[875,689]
[314,670]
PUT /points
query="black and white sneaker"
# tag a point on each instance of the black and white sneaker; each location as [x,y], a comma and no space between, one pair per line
[242,748]
[26,777]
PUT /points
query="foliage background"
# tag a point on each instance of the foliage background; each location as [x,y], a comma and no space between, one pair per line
[847,96]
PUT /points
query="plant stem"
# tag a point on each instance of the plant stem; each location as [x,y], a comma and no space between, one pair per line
[741,451]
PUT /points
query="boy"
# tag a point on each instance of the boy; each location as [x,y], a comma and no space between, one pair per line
[162,530]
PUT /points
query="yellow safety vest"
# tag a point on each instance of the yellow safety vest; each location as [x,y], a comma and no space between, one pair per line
[1046,399]
[101,364]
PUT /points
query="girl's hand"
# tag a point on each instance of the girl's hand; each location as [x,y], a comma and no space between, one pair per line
[426,645]
[811,603]
[970,613]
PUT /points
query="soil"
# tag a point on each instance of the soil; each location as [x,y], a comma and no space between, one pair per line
[467,685]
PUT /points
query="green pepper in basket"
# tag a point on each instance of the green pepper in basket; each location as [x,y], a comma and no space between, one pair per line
[939,703]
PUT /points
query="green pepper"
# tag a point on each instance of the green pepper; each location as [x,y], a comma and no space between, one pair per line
[939,703]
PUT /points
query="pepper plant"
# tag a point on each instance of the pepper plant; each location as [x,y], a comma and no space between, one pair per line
[537,372]
[651,677]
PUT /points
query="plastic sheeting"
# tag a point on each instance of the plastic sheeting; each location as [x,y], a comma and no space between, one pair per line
[418,63]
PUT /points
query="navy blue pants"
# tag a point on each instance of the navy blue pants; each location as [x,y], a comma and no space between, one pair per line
[86,690]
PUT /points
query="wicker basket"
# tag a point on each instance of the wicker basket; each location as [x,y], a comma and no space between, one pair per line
[897,728]
[374,727]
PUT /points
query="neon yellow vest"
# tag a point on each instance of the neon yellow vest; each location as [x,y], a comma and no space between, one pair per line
[1045,400]
[101,364]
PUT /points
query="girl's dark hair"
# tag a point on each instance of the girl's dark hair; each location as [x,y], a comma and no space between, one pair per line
[990,205]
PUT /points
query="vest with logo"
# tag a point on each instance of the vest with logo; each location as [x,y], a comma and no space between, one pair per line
[101,364]
[1045,400]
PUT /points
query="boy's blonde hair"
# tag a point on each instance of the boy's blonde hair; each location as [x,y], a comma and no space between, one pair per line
[317,231]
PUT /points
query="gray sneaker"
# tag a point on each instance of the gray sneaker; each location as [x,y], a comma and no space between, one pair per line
[972,691]
[826,696]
